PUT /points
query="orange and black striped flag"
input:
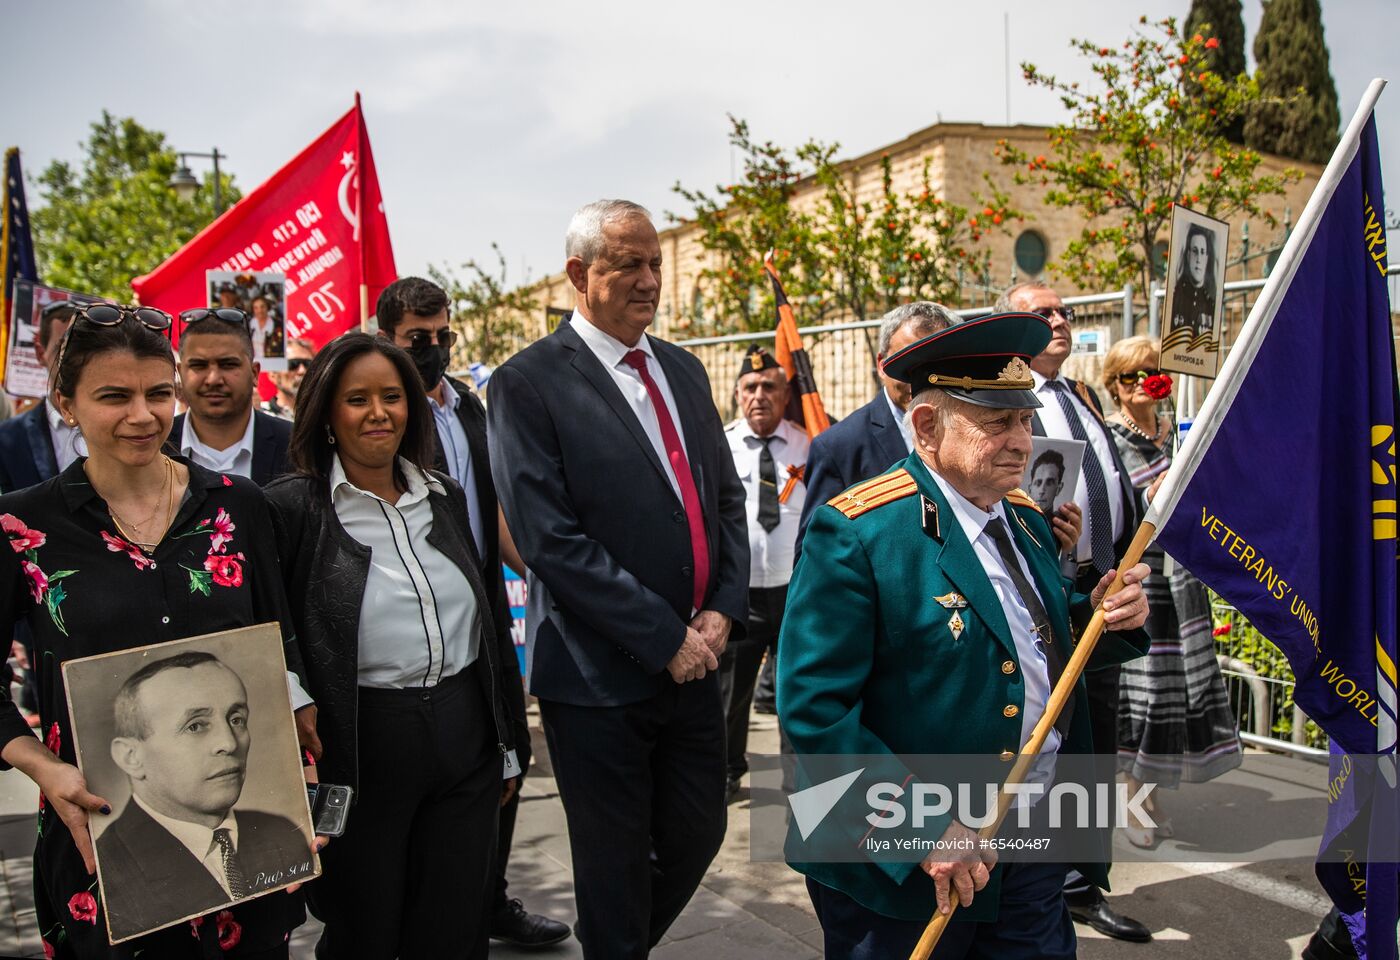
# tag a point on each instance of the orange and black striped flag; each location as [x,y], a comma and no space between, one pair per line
[804,402]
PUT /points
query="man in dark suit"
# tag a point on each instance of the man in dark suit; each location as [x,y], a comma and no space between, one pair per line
[38,444]
[181,847]
[622,498]
[1111,511]
[867,442]
[221,431]
[413,313]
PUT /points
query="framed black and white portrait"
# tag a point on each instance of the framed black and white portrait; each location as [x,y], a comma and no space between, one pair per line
[1195,293]
[1052,473]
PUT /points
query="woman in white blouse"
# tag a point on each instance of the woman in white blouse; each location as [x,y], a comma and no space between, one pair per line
[405,660]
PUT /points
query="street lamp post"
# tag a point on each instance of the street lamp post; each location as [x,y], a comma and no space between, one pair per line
[185,185]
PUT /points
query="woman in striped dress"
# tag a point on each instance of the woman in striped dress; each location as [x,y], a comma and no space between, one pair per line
[1174,718]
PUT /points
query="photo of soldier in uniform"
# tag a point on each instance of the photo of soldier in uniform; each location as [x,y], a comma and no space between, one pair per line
[1052,472]
[197,735]
[1195,297]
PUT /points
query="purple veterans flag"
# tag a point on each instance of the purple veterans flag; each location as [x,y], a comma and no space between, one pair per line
[1283,501]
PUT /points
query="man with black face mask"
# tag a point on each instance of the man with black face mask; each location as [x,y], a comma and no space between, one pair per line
[413,313]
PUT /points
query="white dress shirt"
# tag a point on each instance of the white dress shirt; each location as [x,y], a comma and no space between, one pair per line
[199,840]
[1034,667]
[260,335]
[1052,418]
[905,430]
[609,350]
[453,438]
[237,459]
[68,442]
[770,553]
[418,616]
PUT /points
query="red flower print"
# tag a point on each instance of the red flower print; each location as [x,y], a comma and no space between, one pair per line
[228,482]
[230,930]
[1158,386]
[223,532]
[195,924]
[38,582]
[21,537]
[83,906]
[118,545]
[54,739]
[225,570]
[48,950]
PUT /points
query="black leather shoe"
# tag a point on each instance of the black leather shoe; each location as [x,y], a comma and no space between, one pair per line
[513,924]
[731,790]
[1094,910]
[765,707]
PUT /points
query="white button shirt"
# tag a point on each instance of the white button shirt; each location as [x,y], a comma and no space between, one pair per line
[609,350]
[770,554]
[905,430]
[453,437]
[199,840]
[1052,418]
[68,442]
[237,459]
[1035,669]
[418,616]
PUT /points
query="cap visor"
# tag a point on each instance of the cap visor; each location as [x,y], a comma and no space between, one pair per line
[998,399]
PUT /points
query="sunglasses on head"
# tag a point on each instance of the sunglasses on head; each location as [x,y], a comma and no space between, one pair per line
[297,363]
[1049,312]
[418,339]
[111,315]
[225,314]
[1128,378]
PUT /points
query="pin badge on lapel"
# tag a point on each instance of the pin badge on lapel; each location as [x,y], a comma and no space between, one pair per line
[951,601]
[955,625]
[928,518]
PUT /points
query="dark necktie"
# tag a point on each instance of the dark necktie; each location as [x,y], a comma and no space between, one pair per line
[767,486]
[1045,635]
[680,466]
[1100,514]
[233,871]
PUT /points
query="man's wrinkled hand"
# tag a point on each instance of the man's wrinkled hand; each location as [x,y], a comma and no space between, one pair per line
[1126,609]
[966,870]
[693,660]
[713,627]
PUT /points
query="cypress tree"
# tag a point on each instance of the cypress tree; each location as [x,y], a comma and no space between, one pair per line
[1297,116]
[1223,20]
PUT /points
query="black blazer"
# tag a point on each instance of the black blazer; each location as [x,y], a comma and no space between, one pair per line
[597,522]
[270,437]
[150,878]
[1133,505]
[26,450]
[863,445]
[325,572]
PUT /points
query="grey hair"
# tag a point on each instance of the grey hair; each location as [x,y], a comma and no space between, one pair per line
[944,406]
[584,238]
[1004,304]
[926,317]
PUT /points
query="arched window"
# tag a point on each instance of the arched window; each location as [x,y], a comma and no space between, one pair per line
[1031,253]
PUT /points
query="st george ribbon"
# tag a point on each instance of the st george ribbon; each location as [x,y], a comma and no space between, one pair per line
[1283,501]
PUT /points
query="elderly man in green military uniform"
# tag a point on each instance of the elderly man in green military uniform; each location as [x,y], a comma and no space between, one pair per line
[928,616]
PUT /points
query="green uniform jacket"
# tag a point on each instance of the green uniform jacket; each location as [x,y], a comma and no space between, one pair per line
[867,663]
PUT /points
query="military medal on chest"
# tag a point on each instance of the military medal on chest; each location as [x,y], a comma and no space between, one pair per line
[953,601]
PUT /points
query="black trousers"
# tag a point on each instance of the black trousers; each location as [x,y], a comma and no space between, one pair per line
[643,791]
[411,876]
[504,837]
[738,671]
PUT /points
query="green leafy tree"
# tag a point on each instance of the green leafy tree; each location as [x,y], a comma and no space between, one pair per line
[1224,20]
[1297,115]
[837,253]
[488,314]
[116,217]
[1138,143]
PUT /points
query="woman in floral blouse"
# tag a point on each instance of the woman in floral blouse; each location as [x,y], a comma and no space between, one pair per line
[126,547]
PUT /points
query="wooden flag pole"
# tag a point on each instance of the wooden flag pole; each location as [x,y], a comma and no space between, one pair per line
[1083,650]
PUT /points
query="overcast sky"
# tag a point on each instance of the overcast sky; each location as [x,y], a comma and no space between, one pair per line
[493,121]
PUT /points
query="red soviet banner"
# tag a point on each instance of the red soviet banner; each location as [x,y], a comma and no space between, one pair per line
[319,220]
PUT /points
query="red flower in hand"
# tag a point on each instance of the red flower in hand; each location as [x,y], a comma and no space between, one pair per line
[225,570]
[230,930]
[83,906]
[1158,386]
[21,537]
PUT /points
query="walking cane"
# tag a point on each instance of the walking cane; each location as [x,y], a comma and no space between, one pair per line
[1058,698]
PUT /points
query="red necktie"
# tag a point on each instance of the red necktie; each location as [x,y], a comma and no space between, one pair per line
[690,498]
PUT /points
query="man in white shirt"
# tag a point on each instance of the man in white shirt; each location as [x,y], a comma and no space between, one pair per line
[770,454]
[1071,411]
[221,431]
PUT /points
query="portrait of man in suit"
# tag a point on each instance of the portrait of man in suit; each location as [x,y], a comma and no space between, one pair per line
[181,847]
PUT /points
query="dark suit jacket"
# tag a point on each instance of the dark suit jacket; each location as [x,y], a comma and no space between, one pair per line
[150,879]
[270,437]
[1133,507]
[864,445]
[26,450]
[596,520]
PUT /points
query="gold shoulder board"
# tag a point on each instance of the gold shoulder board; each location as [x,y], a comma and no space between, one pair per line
[864,497]
[1021,498]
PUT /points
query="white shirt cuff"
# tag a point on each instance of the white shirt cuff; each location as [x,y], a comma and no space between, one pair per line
[300,698]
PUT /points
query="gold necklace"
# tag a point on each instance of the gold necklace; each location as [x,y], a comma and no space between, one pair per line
[168,491]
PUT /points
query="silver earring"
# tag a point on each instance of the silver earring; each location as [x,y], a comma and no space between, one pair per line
[330,437]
